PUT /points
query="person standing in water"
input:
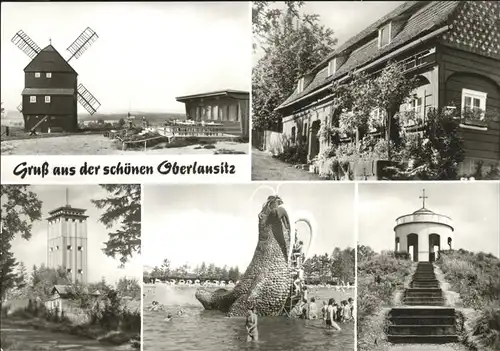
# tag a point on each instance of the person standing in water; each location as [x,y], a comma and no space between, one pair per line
[330,319]
[312,310]
[251,325]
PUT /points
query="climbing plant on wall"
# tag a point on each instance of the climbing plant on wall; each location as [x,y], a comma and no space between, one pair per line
[359,99]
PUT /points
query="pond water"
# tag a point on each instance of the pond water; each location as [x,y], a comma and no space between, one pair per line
[199,329]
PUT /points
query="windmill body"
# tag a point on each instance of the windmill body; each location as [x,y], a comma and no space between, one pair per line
[51,91]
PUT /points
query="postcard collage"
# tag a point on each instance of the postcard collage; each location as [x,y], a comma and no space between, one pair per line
[265,175]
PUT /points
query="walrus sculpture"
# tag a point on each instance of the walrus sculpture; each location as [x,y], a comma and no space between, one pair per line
[267,281]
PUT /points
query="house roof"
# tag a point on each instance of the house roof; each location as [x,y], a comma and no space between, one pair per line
[62,290]
[49,60]
[212,94]
[424,17]
[48,91]
[67,208]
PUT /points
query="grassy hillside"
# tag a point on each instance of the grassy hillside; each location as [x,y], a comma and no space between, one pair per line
[373,297]
[476,277]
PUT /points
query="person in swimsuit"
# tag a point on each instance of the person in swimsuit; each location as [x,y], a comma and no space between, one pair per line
[353,308]
[330,316]
[169,318]
[323,310]
[298,282]
[298,255]
[251,325]
[312,310]
[305,293]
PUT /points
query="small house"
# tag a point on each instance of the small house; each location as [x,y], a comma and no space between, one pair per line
[62,300]
[451,47]
[229,108]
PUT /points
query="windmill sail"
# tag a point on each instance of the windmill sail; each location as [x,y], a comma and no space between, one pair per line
[24,42]
[87,100]
[82,43]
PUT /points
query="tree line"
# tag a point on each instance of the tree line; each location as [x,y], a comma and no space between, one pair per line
[203,271]
[337,267]
[38,284]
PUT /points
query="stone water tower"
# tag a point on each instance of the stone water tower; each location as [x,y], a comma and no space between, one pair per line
[67,241]
[423,234]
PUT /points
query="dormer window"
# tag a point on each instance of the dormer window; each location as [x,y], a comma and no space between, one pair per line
[300,86]
[332,67]
[37,74]
[384,35]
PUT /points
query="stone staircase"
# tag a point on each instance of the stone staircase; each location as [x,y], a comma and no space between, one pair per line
[423,319]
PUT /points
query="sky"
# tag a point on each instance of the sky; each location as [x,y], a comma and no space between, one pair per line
[146,54]
[345,18]
[34,251]
[218,223]
[474,208]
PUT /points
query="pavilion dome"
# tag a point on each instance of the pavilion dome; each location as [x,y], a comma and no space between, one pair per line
[423,211]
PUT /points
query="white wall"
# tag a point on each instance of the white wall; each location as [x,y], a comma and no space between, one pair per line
[423,230]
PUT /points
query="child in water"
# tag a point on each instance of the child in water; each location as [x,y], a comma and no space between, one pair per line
[351,305]
[251,325]
[323,310]
[169,318]
[330,316]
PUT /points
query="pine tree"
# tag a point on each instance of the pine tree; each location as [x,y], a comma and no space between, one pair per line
[20,208]
[123,205]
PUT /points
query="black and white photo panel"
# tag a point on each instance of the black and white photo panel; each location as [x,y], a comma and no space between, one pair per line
[277,259]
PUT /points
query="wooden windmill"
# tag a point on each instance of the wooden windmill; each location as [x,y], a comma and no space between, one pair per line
[51,92]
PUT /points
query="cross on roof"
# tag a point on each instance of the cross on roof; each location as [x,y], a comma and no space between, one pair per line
[423,197]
